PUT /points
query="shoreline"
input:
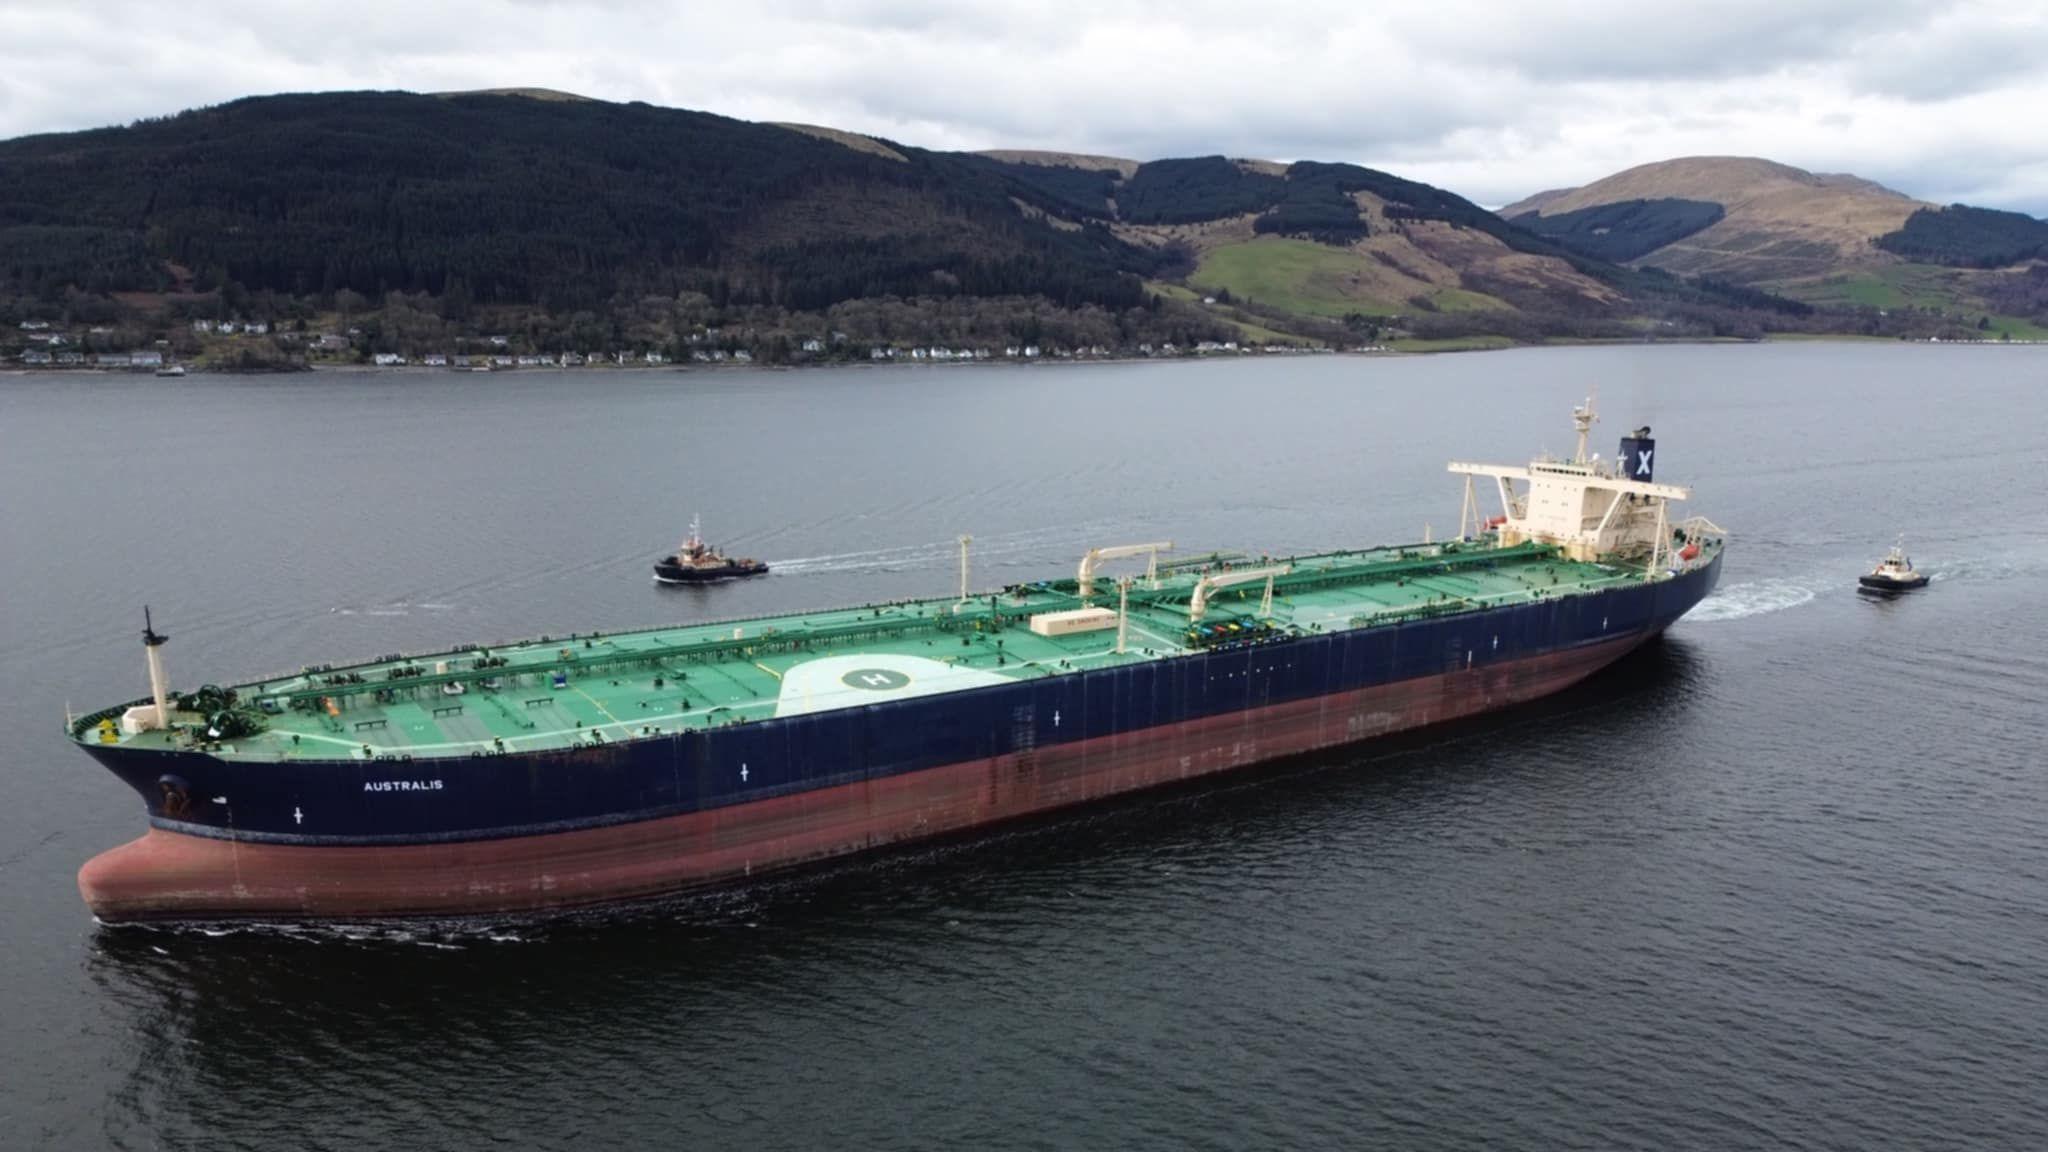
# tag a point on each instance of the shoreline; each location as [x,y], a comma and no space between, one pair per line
[1478,345]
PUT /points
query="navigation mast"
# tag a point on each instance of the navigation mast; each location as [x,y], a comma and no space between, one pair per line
[1583,419]
[159,690]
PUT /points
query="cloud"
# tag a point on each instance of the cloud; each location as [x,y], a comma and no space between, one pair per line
[1493,100]
[1962,51]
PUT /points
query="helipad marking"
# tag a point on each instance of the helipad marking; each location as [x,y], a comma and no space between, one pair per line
[875,679]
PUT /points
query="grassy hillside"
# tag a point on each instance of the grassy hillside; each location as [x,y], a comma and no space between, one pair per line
[1341,242]
[1778,222]
[1974,299]
[1320,280]
[486,201]
[1870,258]
[416,222]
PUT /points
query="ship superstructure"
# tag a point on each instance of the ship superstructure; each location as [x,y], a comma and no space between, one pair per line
[569,770]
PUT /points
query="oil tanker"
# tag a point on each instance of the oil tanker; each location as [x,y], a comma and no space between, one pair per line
[609,766]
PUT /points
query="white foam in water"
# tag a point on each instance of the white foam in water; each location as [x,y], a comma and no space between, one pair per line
[1756,597]
[914,557]
[396,608]
[1751,598]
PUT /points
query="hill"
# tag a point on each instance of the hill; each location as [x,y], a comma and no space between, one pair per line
[1370,250]
[1777,222]
[509,198]
[1966,237]
[419,221]
[1831,239]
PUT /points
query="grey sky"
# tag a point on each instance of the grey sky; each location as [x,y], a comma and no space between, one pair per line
[1942,99]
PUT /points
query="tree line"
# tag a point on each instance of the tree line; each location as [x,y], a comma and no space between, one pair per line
[508,199]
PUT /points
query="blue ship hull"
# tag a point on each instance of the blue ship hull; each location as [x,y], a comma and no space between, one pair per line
[402,801]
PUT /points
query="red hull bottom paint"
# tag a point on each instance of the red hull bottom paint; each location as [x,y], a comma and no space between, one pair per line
[167,875]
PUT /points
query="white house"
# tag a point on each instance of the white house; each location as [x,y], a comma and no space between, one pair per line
[387,359]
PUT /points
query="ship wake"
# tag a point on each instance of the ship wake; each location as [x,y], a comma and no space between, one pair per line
[1753,598]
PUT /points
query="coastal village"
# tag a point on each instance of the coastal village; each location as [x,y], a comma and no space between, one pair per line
[256,345]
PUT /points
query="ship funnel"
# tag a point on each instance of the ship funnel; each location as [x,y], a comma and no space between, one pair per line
[1638,455]
[159,690]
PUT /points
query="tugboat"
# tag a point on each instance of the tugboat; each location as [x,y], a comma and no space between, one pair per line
[697,563]
[1893,574]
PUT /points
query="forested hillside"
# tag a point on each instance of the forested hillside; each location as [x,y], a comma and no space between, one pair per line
[1624,230]
[499,199]
[399,225]
[1966,237]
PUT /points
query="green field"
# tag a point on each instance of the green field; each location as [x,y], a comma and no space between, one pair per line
[1453,344]
[1173,291]
[1261,334]
[1460,300]
[1314,280]
[1295,275]
[1895,286]
[1247,329]
[2017,328]
[1911,286]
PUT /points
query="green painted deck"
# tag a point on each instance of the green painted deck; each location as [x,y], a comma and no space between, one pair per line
[560,692]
